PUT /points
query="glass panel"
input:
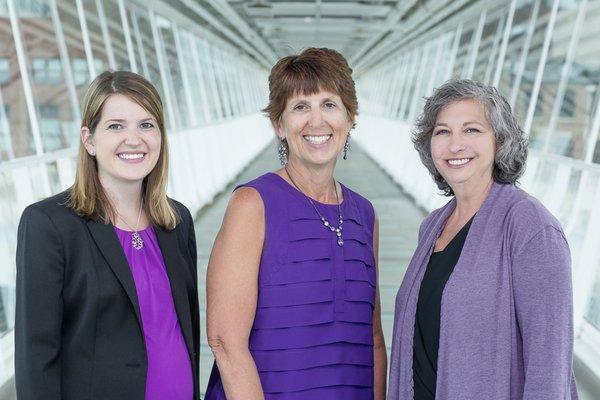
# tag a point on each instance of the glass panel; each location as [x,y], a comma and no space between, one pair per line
[96,39]
[517,44]
[169,47]
[194,76]
[583,90]
[117,34]
[487,53]
[69,19]
[559,46]
[50,92]
[148,51]
[462,54]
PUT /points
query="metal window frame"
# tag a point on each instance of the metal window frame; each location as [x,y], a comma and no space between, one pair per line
[65,59]
[106,35]
[502,55]
[127,34]
[212,81]
[87,44]
[533,17]
[185,79]
[457,36]
[162,68]
[475,42]
[565,75]
[6,127]
[139,42]
[495,44]
[541,66]
[194,43]
[25,78]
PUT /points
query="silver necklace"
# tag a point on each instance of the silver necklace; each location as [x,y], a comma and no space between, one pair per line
[136,240]
[337,231]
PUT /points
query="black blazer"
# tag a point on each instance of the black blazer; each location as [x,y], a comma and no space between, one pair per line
[78,332]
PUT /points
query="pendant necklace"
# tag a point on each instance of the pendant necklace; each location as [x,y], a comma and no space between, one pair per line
[136,240]
[337,231]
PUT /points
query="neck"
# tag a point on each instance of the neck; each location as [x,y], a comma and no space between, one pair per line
[316,182]
[469,200]
[125,198]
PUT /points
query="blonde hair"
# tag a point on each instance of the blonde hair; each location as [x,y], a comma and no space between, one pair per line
[87,197]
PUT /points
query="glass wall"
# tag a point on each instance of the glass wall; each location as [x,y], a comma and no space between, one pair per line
[543,56]
[50,50]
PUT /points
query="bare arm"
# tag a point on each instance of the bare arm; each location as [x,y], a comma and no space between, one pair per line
[379,350]
[231,292]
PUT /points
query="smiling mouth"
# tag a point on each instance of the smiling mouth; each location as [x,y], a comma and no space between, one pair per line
[457,162]
[317,139]
[131,156]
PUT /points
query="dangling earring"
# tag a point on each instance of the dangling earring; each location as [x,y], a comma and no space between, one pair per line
[347,146]
[282,150]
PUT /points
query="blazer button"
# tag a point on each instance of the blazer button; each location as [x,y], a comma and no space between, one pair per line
[133,364]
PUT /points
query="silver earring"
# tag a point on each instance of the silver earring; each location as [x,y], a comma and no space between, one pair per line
[92,153]
[282,150]
[347,146]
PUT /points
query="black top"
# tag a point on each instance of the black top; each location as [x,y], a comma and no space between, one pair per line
[427,320]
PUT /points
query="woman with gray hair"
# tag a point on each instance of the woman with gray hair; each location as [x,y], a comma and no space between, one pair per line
[485,307]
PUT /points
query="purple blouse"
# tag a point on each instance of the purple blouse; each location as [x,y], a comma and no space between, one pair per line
[169,374]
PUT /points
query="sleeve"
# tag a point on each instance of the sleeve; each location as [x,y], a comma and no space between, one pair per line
[39,307]
[544,307]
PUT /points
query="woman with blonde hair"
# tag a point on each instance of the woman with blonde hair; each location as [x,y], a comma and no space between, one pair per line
[107,303]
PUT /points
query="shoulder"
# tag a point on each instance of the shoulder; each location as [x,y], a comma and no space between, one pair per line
[364,205]
[525,212]
[181,210]
[526,217]
[246,199]
[54,208]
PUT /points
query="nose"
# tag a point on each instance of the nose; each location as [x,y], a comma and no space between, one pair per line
[132,138]
[456,143]
[315,118]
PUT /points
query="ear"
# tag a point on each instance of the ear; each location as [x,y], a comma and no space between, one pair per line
[278,130]
[88,140]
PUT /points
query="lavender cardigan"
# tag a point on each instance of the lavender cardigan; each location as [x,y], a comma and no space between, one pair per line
[506,325]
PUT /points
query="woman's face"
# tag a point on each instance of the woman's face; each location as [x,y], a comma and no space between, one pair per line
[315,127]
[463,145]
[126,142]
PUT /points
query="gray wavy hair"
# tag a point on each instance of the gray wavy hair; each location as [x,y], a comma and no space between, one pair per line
[511,142]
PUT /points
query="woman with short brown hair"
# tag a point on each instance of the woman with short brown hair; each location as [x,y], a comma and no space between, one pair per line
[293,307]
[107,303]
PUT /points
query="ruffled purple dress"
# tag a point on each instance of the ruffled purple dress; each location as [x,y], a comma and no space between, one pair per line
[312,336]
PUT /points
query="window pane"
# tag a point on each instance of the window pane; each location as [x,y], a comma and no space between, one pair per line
[117,34]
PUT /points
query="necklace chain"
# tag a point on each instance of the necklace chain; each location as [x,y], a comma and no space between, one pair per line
[337,231]
[136,240]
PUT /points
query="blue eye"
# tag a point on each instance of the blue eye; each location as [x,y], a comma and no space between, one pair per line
[472,130]
[115,127]
[146,125]
[440,132]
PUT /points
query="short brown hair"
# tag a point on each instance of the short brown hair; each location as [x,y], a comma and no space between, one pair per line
[309,72]
[87,196]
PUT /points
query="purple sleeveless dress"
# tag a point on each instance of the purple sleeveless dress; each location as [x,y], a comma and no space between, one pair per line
[312,336]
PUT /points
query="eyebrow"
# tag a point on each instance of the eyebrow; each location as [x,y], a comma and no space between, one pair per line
[464,124]
[122,120]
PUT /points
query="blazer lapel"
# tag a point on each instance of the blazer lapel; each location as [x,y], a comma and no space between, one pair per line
[167,240]
[111,249]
